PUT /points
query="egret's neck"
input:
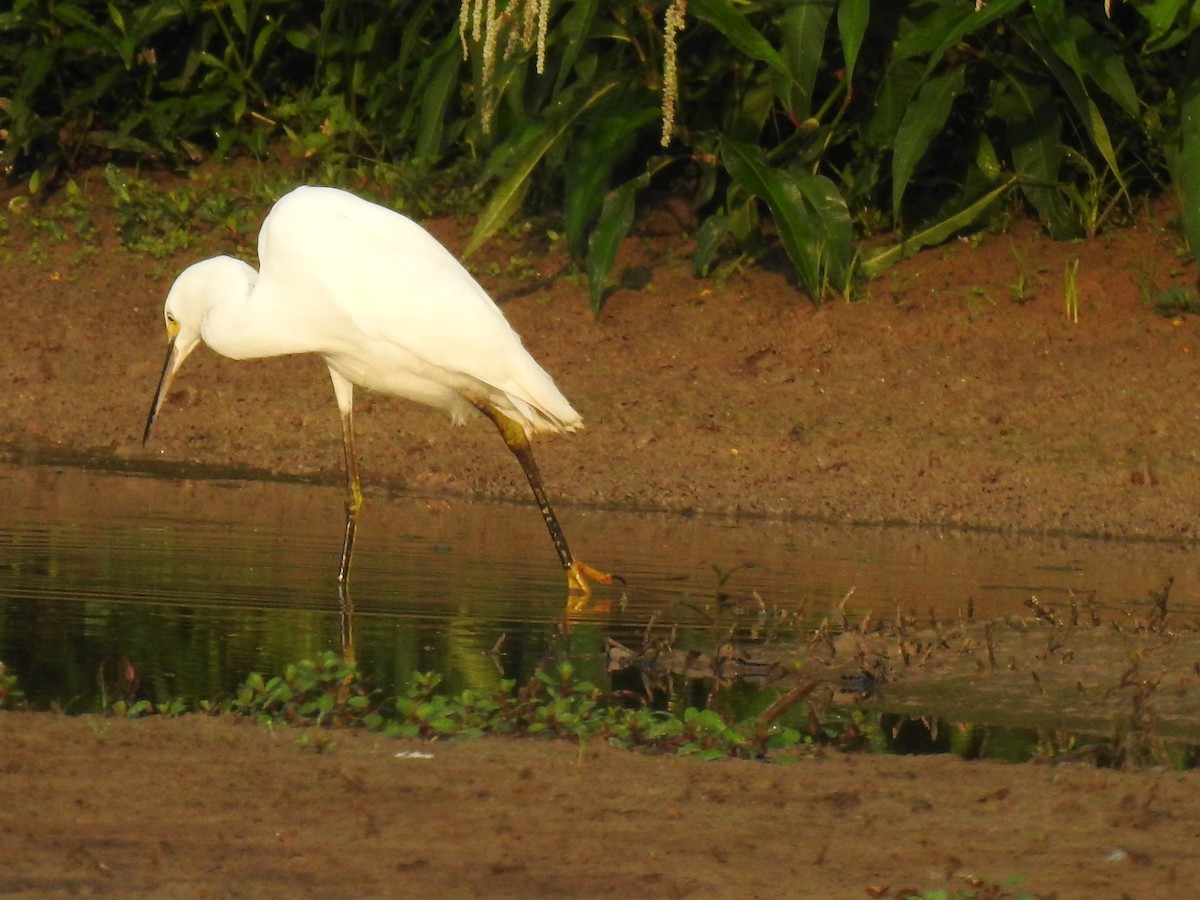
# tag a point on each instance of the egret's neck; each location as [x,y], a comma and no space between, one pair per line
[245,321]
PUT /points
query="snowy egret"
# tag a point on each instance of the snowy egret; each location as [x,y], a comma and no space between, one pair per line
[389,309]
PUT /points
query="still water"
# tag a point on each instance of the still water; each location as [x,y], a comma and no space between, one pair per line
[199,582]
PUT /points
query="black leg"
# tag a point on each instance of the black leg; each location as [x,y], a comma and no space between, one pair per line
[518,442]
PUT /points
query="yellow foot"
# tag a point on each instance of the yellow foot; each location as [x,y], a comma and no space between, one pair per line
[577,580]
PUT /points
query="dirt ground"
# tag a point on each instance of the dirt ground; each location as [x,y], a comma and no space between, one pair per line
[957,391]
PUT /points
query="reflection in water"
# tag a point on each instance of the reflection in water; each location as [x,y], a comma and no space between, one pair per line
[198,583]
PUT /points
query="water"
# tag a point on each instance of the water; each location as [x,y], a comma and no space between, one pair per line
[200,582]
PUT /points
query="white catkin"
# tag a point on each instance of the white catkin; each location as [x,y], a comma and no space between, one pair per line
[672,25]
[543,24]
[480,15]
[490,35]
[464,19]
[518,21]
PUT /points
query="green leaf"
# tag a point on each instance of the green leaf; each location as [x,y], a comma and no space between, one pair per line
[803,26]
[1166,30]
[577,27]
[812,218]
[945,29]
[507,197]
[1103,64]
[736,28]
[438,92]
[853,17]
[712,233]
[900,82]
[606,141]
[1035,142]
[1051,17]
[1187,161]
[1076,92]
[237,9]
[926,115]
[934,234]
[616,217]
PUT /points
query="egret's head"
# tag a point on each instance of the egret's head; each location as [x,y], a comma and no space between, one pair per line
[197,290]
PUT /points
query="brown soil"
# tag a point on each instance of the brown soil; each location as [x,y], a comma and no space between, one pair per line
[955,392]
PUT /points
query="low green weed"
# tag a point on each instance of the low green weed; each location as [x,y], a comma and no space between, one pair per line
[552,704]
[10,694]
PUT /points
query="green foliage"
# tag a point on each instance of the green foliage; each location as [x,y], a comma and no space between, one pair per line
[811,124]
[1175,300]
[324,692]
[10,694]
[553,704]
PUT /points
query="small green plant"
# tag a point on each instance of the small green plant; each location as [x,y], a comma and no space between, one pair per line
[328,691]
[1095,196]
[10,694]
[1175,300]
[552,704]
[977,889]
[1021,289]
[1071,290]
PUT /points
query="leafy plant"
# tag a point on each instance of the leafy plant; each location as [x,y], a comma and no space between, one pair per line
[328,690]
[10,694]
[806,126]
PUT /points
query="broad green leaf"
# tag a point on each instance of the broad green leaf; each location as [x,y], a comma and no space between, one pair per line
[804,25]
[237,8]
[1077,93]
[1034,131]
[577,27]
[945,28]
[1187,161]
[1051,17]
[437,93]
[812,218]
[853,17]
[934,234]
[263,39]
[712,233]
[117,19]
[723,16]
[70,14]
[507,197]
[1166,30]
[616,216]
[606,142]
[1102,62]
[922,122]
[900,82]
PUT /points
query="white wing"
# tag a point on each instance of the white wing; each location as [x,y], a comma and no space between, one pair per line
[391,309]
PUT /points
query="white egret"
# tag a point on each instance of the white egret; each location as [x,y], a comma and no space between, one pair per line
[389,309]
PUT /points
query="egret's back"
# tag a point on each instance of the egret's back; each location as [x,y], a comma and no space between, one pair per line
[392,310]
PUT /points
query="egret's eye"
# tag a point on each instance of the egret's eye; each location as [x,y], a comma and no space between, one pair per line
[170,319]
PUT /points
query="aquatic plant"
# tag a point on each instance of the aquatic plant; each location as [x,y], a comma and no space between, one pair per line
[553,704]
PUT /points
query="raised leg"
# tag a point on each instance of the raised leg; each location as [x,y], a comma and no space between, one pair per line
[578,573]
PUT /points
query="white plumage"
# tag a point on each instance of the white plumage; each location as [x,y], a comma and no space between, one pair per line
[389,309]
